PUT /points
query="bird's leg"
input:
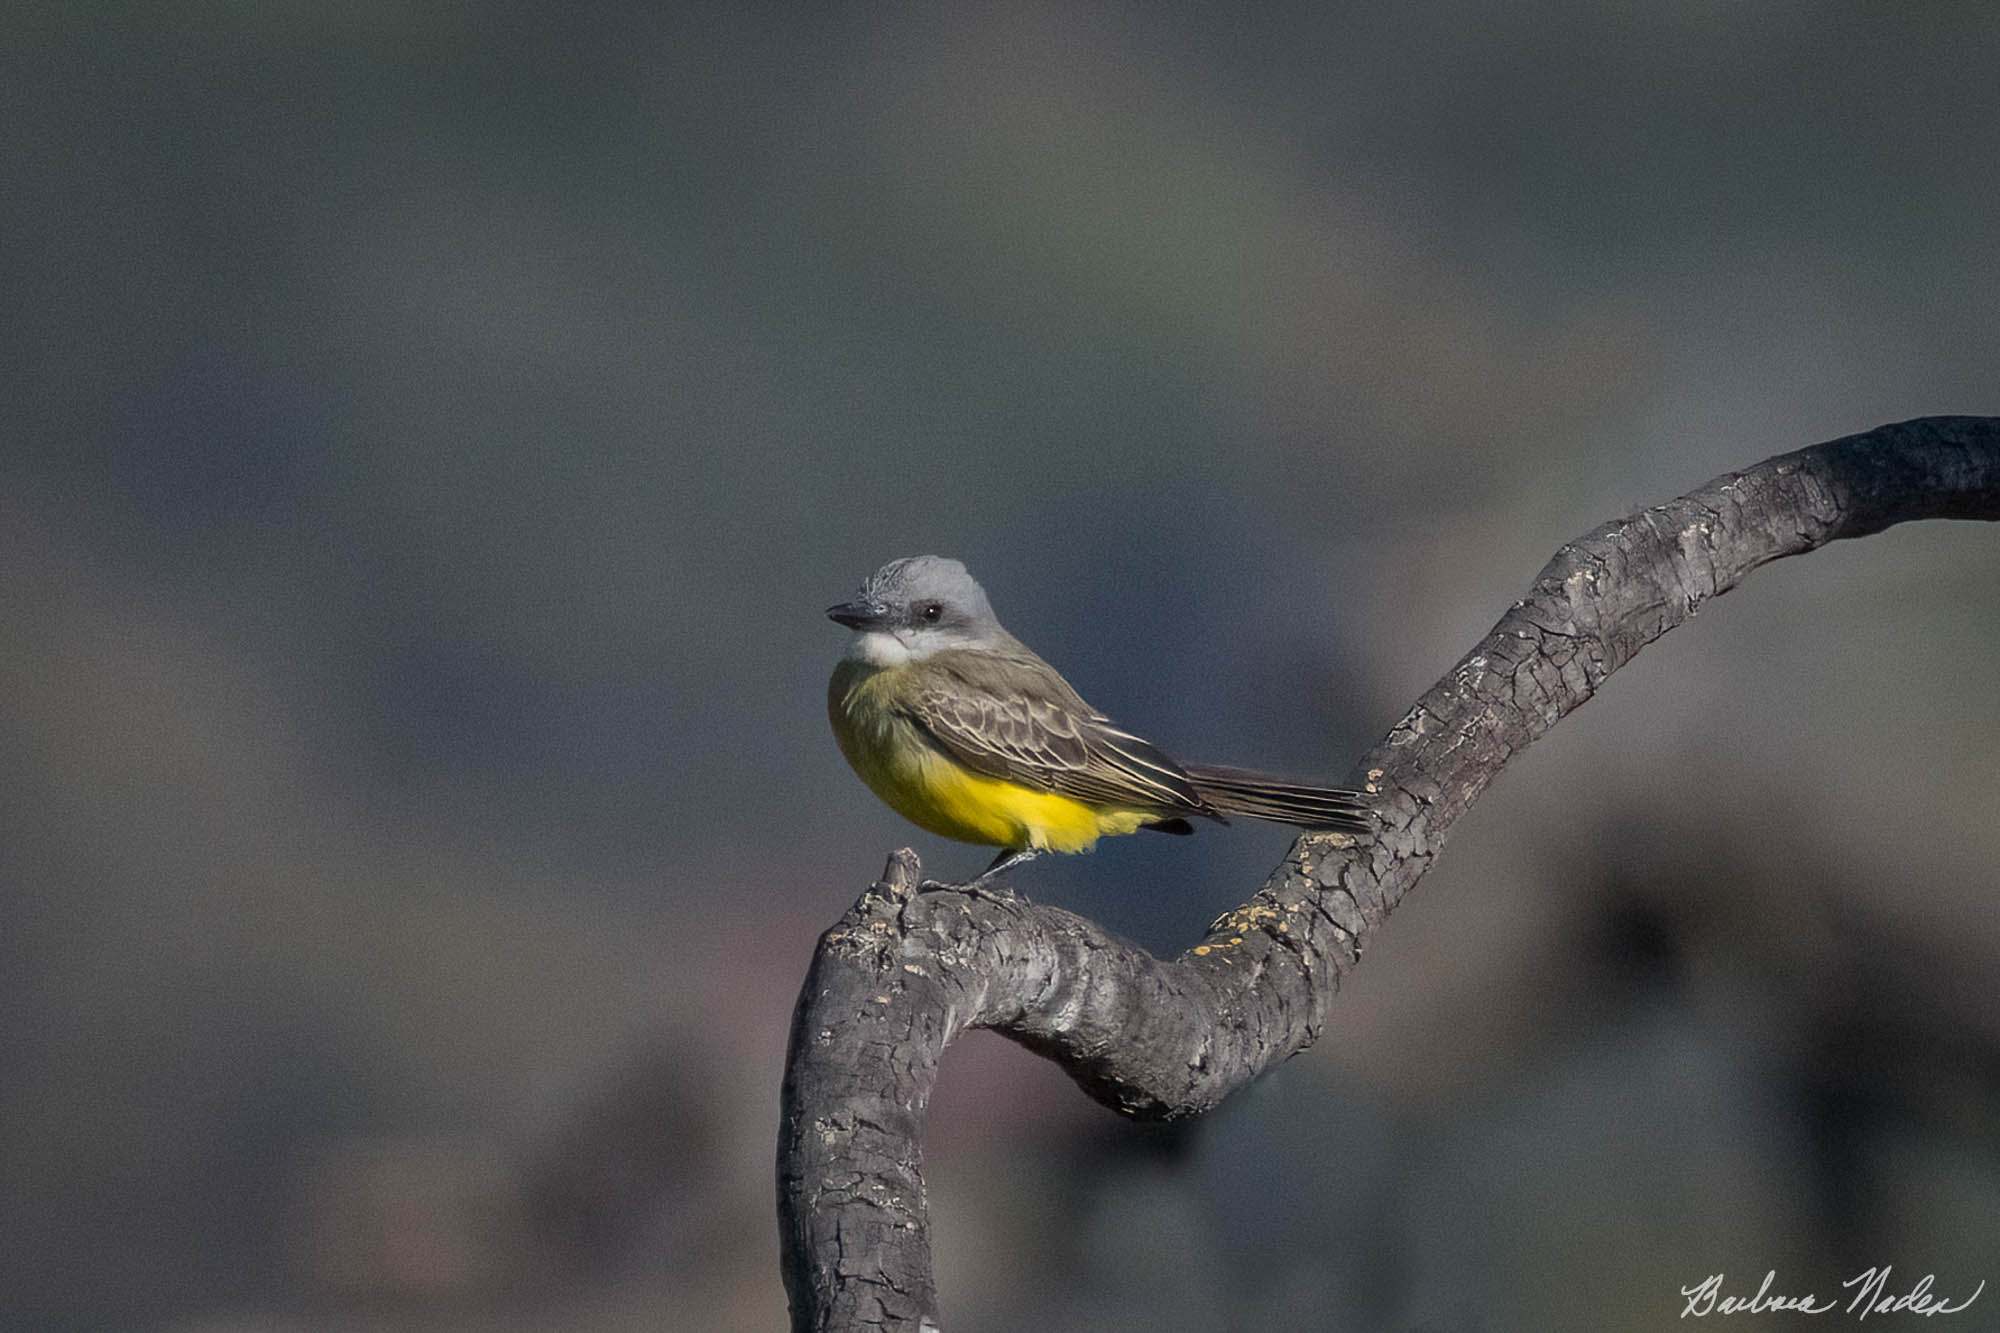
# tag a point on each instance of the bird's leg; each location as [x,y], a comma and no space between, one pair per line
[1008,858]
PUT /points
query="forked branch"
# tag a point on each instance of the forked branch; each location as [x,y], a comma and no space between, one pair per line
[902,973]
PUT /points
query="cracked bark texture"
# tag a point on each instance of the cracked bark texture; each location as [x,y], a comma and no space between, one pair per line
[903,973]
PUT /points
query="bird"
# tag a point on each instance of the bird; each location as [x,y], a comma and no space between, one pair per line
[967,733]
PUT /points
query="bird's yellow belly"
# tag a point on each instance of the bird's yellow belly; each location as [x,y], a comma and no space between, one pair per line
[903,765]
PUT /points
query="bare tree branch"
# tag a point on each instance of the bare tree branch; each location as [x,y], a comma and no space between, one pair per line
[902,973]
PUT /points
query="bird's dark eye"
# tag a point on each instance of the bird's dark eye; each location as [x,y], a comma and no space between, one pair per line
[932,612]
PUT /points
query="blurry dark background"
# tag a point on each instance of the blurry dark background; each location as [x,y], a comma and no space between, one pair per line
[431,433]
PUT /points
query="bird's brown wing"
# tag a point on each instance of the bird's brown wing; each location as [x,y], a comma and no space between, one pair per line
[1010,715]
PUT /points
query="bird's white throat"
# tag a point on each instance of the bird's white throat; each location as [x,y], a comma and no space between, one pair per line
[878,648]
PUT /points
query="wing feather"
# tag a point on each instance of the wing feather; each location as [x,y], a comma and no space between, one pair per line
[1012,716]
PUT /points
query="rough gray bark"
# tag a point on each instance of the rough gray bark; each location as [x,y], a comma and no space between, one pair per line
[903,973]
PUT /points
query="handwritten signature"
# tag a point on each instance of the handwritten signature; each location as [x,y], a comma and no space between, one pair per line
[1870,1288]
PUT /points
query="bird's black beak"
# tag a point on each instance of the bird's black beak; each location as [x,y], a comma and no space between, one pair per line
[859,615]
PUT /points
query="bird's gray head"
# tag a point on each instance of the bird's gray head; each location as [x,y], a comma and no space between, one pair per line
[916,606]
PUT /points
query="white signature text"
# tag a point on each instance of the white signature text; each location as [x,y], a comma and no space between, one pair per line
[1869,1290]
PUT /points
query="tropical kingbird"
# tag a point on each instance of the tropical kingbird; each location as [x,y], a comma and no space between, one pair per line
[960,728]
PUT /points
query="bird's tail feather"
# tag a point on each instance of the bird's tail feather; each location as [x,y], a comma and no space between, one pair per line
[1239,791]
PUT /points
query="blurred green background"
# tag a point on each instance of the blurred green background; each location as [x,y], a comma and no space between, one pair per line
[431,435]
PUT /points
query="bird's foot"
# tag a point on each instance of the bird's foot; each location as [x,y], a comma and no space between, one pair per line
[973,888]
[983,884]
